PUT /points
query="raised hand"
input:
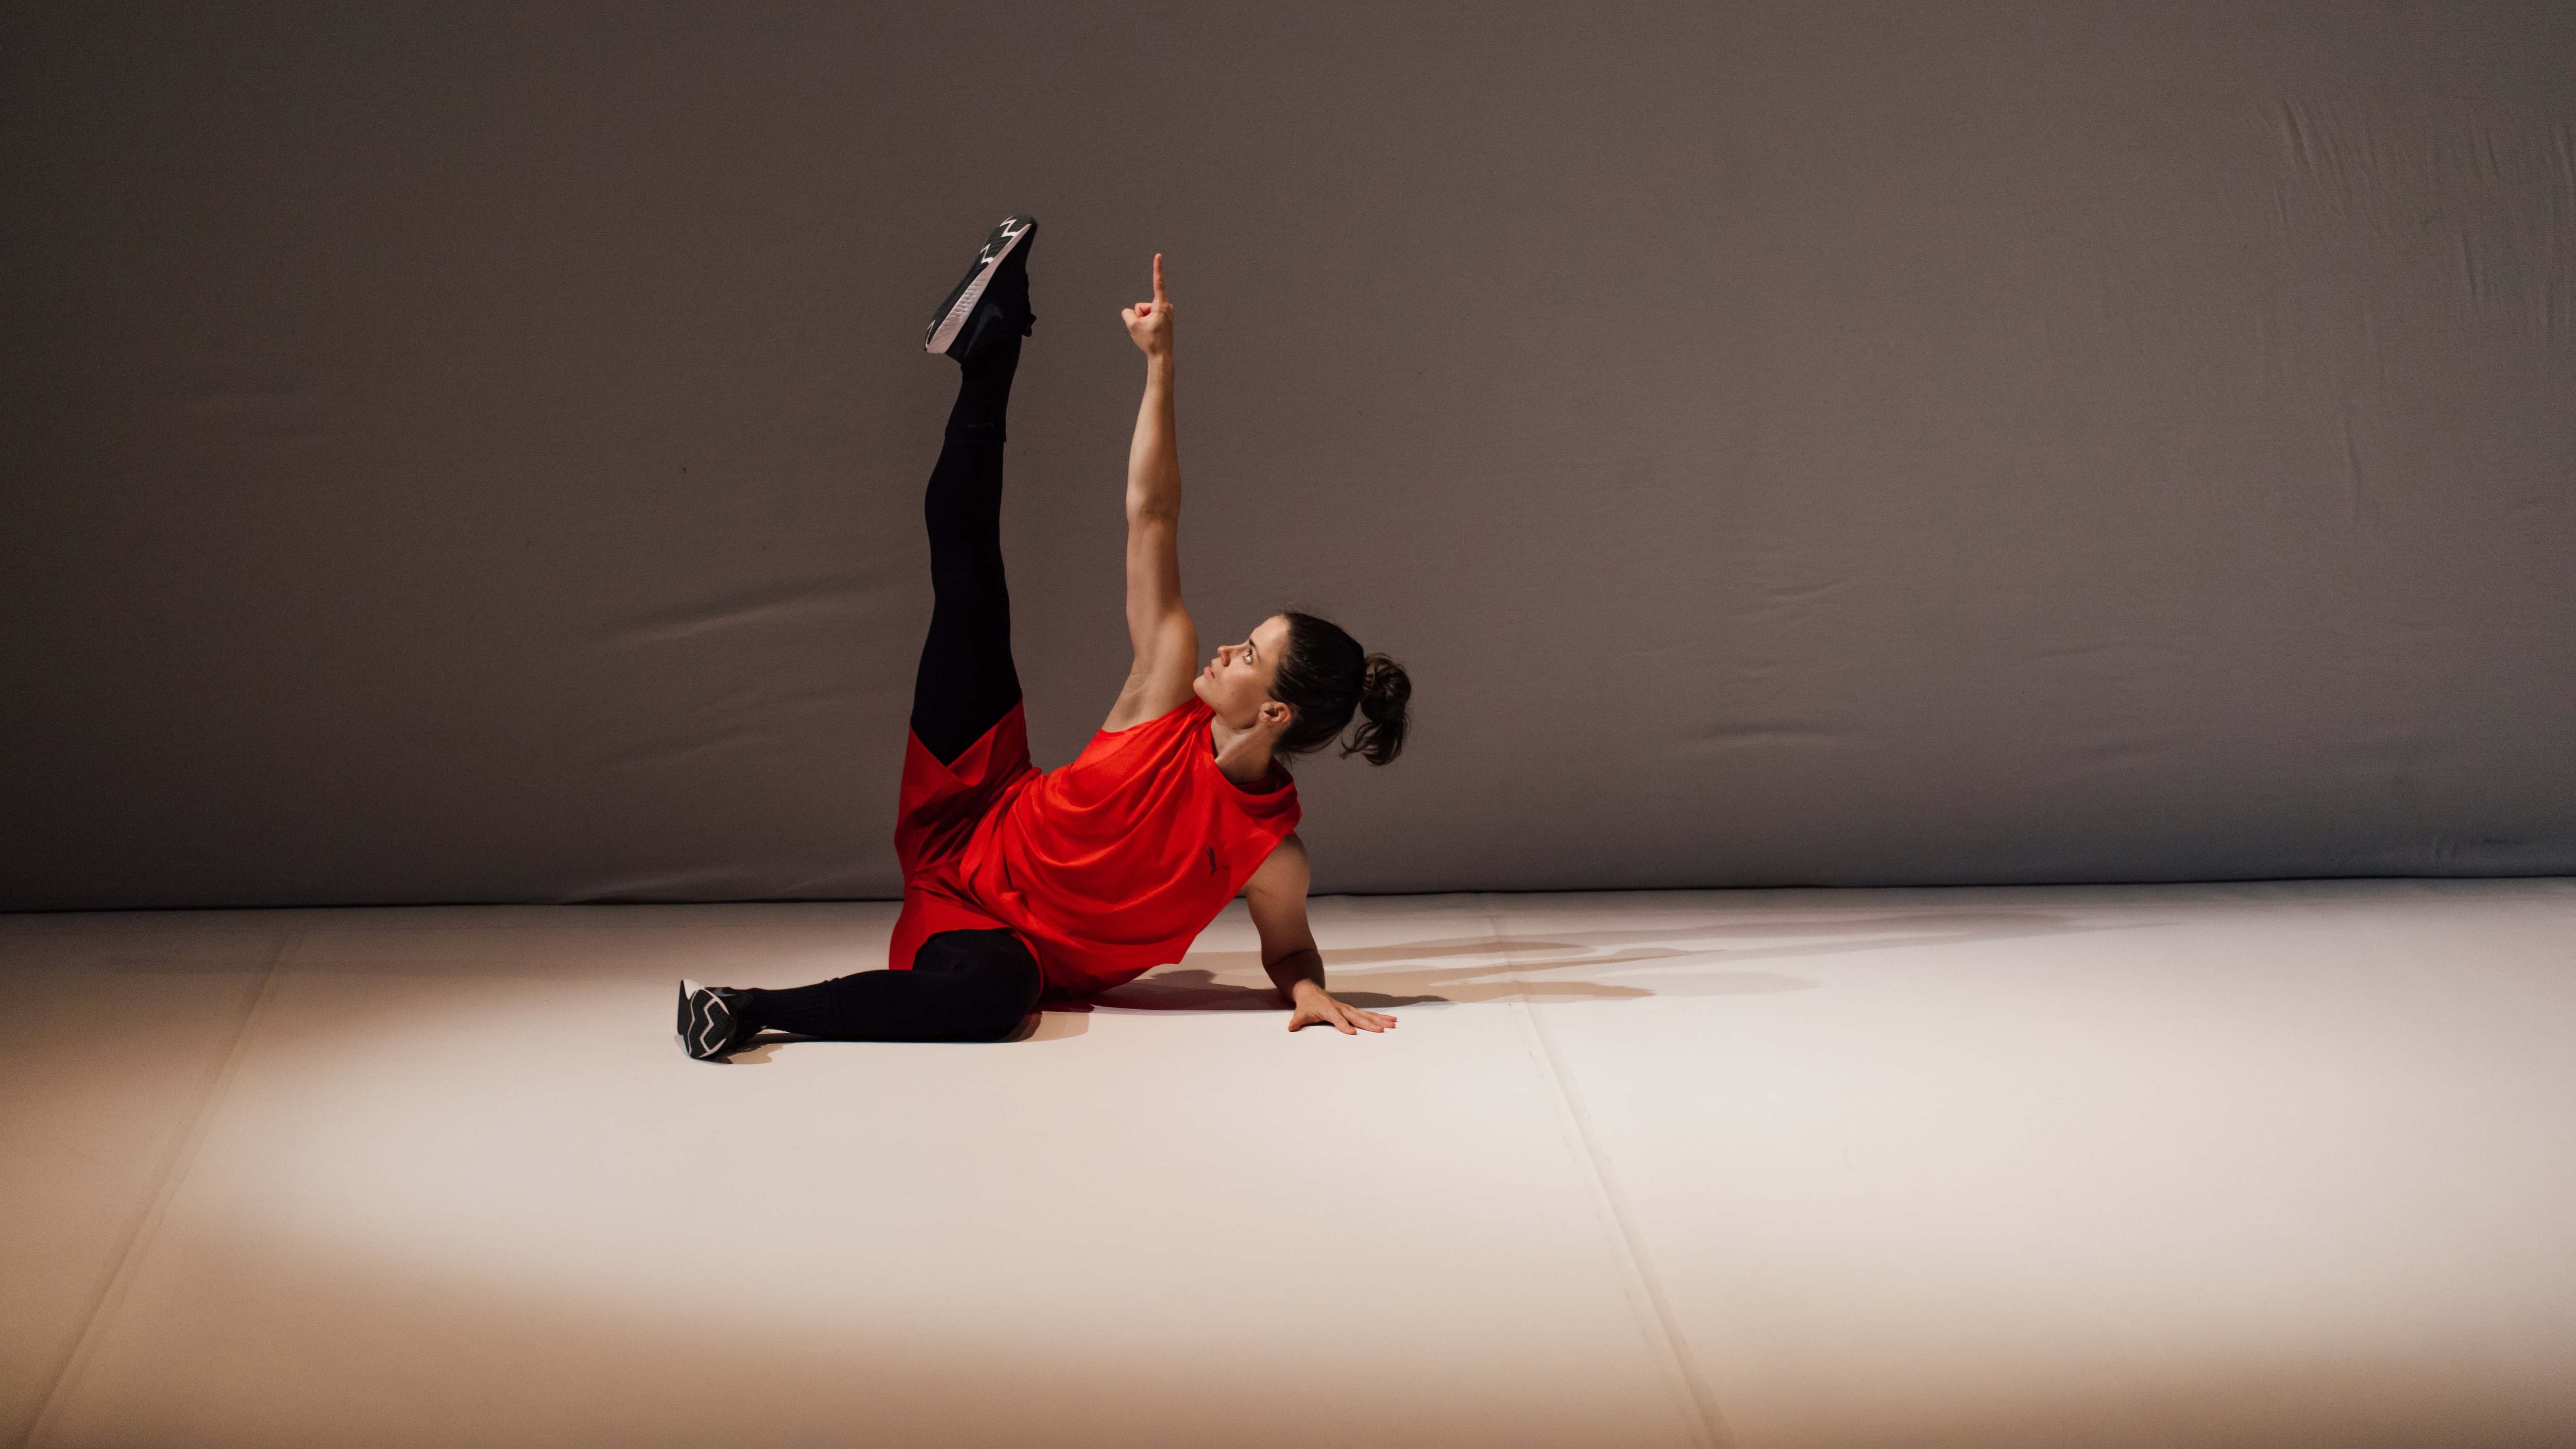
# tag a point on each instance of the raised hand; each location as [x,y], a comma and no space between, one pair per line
[1149,324]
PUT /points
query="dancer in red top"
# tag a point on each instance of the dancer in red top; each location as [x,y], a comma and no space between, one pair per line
[1074,880]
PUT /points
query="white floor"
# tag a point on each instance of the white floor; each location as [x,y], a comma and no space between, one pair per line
[2204,1165]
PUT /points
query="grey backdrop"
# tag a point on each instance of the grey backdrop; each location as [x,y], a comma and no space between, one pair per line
[472,453]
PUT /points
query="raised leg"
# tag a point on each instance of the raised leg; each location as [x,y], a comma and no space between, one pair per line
[967,682]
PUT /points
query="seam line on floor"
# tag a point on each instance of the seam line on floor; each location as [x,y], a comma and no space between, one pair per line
[174,1171]
[1637,1266]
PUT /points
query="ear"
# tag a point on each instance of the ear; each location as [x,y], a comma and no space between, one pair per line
[1275,716]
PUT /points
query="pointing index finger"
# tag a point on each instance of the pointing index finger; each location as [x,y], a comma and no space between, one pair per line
[1158,276]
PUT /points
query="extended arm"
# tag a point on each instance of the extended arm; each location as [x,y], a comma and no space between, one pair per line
[1158,625]
[1277,896]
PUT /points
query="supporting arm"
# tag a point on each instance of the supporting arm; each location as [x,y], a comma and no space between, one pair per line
[1277,896]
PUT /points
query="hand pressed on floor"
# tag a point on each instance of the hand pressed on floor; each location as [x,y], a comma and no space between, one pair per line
[1316,1007]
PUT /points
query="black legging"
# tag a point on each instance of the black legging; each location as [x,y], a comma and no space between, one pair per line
[966,682]
[963,985]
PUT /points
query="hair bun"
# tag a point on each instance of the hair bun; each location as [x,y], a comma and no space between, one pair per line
[1386,692]
[1325,678]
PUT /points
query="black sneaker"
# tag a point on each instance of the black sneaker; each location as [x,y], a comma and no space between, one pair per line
[956,329]
[710,1028]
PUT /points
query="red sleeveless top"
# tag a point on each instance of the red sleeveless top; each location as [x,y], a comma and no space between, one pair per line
[1107,867]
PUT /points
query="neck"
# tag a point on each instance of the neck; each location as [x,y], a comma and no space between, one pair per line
[1242,755]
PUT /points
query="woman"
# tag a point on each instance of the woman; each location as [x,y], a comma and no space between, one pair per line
[1017,882]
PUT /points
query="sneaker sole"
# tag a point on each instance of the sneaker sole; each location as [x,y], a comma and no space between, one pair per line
[952,314]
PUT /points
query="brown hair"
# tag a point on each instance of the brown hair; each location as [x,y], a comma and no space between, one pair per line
[1326,677]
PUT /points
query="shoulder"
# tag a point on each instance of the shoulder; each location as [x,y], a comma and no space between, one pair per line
[1162,738]
[1137,711]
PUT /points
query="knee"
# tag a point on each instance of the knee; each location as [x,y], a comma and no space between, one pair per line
[997,1023]
[992,981]
[1009,997]
[995,1014]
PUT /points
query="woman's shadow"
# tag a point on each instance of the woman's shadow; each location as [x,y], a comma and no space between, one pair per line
[1526,970]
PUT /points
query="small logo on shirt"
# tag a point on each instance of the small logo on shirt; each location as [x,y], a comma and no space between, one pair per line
[1215,866]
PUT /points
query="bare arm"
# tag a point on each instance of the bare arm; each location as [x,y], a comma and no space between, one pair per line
[1277,896]
[1158,625]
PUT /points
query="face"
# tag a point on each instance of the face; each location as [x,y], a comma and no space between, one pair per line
[1236,683]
